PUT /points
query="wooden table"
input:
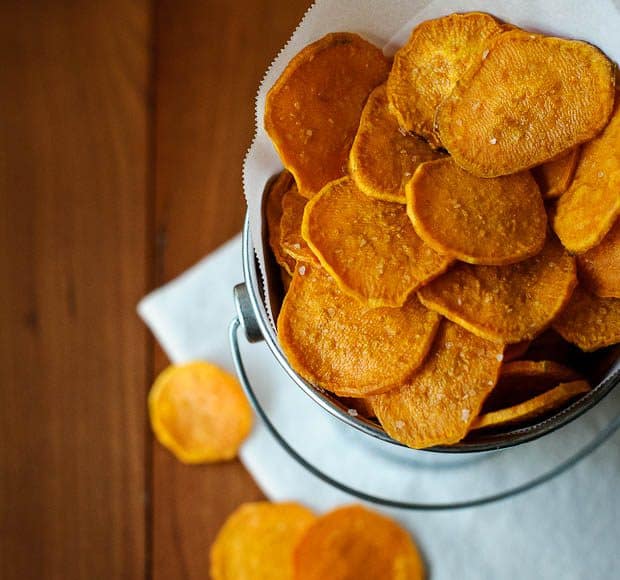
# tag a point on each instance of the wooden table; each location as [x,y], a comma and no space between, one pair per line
[122,130]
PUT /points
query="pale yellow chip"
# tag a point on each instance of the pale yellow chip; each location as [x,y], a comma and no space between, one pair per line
[257,541]
[292,243]
[505,304]
[354,543]
[368,245]
[529,99]
[590,207]
[427,68]
[439,403]
[556,175]
[199,412]
[273,214]
[335,342]
[494,221]
[533,408]
[599,268]
[590,322]
[384,156]
[313,110]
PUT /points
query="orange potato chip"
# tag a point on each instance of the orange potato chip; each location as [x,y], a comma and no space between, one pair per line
[273,215]
[427,68]
[313,110]
[505,304]
[286,279]
[358,406]
[599,268]
[257,541]
[334,341]
[368,245]
[555,176]
[541,405]
[530,98]
[440,401]
[292,243]
[590,322]
[588,210]
[524,379]
[481,221]
[384,157]
[515,351]
[199,412]
[354,543]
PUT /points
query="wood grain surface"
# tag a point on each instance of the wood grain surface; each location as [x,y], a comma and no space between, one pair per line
[122,130]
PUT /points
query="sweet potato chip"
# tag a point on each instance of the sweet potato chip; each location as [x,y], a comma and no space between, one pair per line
[590,322]
[199,412]
[368,245]
[555,176]
[524,379]
[505,304]
[257,541]
[440,401]
[358,406]
[334,341]
[427,68]
[531,409]
[292,243]
[313,110]
[384,157]
[354,543]
[515,351]
[529,99]
[273,215]
[599,268]
[481,221]
[590,207]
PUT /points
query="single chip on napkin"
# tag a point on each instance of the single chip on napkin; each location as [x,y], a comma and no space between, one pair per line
[353,542]
[438,404]
[599,268]
[313,110]
[199,412]
[542,404]
[384,156]
[555,176]
[590,207]
[530,98]
[368,245]
[481,221]
[257,541]
[590,322]
[335,342]
[427,68]
[505,304]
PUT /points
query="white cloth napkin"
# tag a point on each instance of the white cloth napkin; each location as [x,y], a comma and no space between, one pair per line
[569,528]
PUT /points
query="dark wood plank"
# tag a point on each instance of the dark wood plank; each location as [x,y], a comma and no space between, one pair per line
[74,361]
[210,59]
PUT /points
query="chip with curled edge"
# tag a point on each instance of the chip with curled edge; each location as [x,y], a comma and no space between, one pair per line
[556,175]
[292,243]
[313,110]
[530,99]
[343,346]
[589,322]
[368,245]
[538,406]
[439,403]
[428,66]
[273,214]
[588,210]
[480,221]
[505,304]
[384,156]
